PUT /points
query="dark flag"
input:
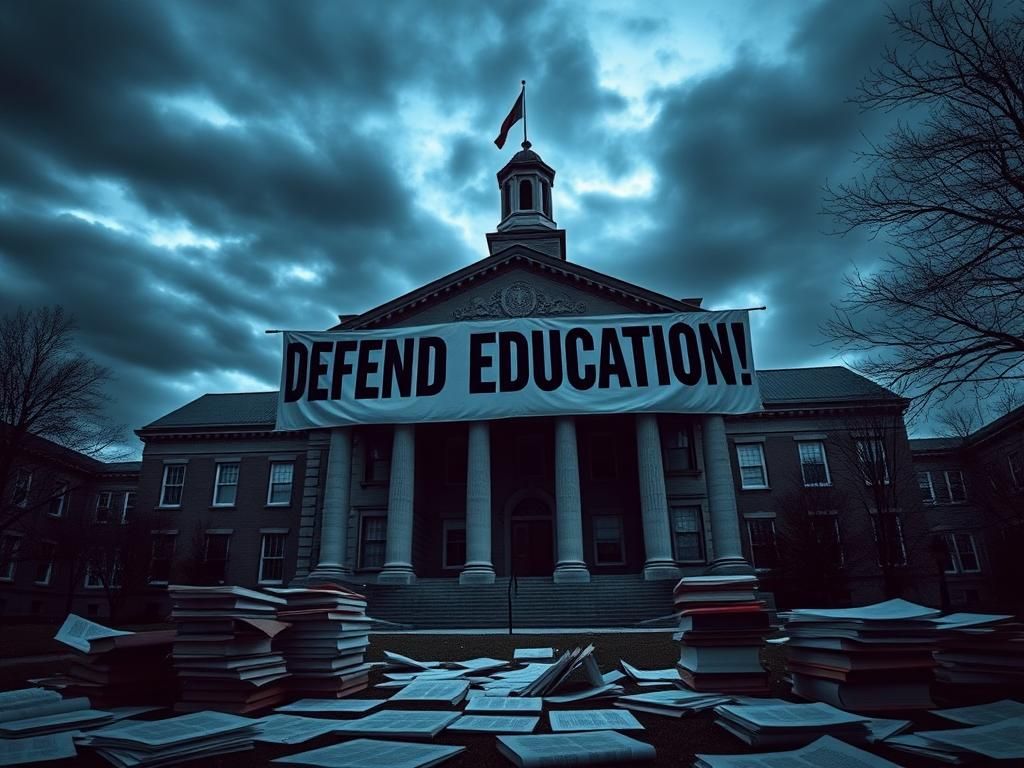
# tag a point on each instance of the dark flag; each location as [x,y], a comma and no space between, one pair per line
[514,116]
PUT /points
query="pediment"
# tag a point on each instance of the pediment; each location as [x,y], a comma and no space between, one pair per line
[517,282]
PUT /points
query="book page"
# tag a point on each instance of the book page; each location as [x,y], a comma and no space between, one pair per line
[884,611]
[505,704]
[594,720]
[983,714]
[405,661]
[374,753]
[649,675]
[576,748]
[331,705]
[396,722]
[826,752]
[494,724]
[999,741]
[37,749]
[291,729]
[175,730]
[790,715]
[78,632]
[586,693]
[524,654]
[447,690]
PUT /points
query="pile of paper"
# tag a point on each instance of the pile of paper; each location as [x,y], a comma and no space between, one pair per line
[874,658]
[980,650]
[673,703]
[326,642]
[370,753]
[1000,740]
[223,653]
[721,630]
[826,752]
[114,667]
[35,712]
[197,736]
[789,725]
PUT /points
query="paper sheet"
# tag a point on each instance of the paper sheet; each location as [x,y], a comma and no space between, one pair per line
[291,729]
[983,714]
[999,741]
[650,675]
[505,704]
[524,654]
[78,632]
[594,720]
[175,730]
[395,722]
[373,753]
[331,705]
[37,749]
[451,691]
[494,724]
[826,752]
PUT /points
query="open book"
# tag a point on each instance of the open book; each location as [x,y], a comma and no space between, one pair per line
[593,748]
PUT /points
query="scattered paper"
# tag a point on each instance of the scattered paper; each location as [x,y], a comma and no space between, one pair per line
[291,729]
[449,692]
[593,748]
[37,749]
[399,723]
[331,705]
[983,714]
[374,753]
[826,752]
[175,730]
[78,632]
[999,741]
[494,724]
[533,654]
[594,720]
[650,675]
[504,704]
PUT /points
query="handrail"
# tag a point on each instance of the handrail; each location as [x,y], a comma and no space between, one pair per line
[512,582]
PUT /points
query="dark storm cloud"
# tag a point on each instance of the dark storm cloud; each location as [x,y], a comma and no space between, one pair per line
[284,136]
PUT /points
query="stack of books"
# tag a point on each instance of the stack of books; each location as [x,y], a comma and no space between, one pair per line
[979,744]
[722,626]
[198,736]
[874,658]
[222,653]
[979,652]
[113,667]
[789,725]
[326,643]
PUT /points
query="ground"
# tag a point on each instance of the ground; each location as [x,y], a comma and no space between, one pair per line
[676,740]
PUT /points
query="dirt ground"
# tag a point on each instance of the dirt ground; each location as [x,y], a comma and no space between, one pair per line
[675,740]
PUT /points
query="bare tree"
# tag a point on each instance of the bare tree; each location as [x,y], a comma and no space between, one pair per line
[945,309]
[48,390]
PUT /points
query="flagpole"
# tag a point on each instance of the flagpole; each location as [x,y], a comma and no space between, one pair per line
[526,144]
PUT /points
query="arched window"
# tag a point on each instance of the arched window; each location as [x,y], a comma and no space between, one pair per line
[546,192]
[506,199]
[525,195]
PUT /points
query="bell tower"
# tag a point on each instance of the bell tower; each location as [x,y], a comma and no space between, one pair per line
[526,215]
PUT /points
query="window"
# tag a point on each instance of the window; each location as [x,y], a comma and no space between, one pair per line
[454,554]
[378,458]
[104,500]
[173,484]
[128,508]
[215,557]
[279,489]
[763,552]
[9,546]
[506,199]
[272,558]
[753,473]
[456,458]
[100,568]
[608,545]
[58,503]
[525,195]
[825,528]
[871,458]
[688,534]
[546,197]
[813,465]
[161,557]
[372,540]
[22,485]
[225,485]
[891,550]
[44,562]
[679,449]
[942,486]
[603,463]
[1016,462]
[961,554]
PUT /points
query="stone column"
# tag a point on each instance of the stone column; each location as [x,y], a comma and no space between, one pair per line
[660,564]
[478,568]
[569,510]
[725,522]
[398,560]
[334,518]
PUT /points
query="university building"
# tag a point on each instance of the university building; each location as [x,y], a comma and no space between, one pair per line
[583,520]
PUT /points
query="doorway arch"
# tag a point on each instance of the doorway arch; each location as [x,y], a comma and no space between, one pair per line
[530,533]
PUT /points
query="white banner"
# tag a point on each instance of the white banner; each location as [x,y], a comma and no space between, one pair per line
[692,362]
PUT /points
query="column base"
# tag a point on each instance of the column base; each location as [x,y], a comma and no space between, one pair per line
[328,573]
[660,570]
[735,566]
[477,573]
[396,573]
[571,573]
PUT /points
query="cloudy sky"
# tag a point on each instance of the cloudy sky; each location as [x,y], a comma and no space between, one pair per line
[182,176]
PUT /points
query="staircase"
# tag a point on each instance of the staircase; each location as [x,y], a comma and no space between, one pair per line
[607,601]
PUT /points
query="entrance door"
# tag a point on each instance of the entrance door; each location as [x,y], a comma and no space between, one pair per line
[532,545]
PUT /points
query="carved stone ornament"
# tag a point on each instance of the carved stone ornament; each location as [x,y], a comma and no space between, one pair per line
[518,300]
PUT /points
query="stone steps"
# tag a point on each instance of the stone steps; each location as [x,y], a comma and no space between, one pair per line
[615,600]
